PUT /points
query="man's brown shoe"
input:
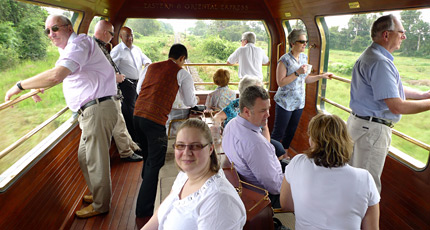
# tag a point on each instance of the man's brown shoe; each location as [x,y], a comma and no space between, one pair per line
[87,212]
[88,198]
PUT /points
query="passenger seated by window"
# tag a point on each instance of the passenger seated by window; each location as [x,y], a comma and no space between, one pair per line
[179,111]
[322,189]
[222,96]
[249,148]
[201,196]
[232,109]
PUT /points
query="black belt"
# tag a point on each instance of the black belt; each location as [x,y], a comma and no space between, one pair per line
[93,102]
[375,119]
[132,81]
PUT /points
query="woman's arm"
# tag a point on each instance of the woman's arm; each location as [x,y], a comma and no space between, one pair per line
[281,74]
[219,118]
[286,197]
[314,78]
[371,218]
[152,223]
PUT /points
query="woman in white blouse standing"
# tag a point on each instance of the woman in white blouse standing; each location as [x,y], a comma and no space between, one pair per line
[201,196]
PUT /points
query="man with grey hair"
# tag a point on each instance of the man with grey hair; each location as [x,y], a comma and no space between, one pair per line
[378,97]
[246,146]
[249,57]
[88,92]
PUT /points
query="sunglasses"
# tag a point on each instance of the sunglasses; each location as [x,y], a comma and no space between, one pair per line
[302,41]
[111,33]
[54,28]
[192,147]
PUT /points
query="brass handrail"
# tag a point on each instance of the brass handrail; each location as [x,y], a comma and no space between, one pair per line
[342,79]
[17,143]
[20,98]
[395,132]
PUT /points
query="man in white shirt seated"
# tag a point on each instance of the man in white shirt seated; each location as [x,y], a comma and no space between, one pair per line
[249,57]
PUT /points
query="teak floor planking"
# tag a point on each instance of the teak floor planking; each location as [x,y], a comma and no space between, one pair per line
[126,182]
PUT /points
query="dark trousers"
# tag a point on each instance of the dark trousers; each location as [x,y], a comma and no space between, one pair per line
[285,126]
[128,90]
[153,142]
[279,149]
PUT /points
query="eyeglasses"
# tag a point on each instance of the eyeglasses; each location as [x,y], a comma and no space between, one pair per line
[398,31]
[54,28]
[302,41]
[111,33]
[192,147]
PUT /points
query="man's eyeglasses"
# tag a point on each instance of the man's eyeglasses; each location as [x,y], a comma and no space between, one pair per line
[398,31]
[192,147]
[54,28]
[111,33]
[302,41]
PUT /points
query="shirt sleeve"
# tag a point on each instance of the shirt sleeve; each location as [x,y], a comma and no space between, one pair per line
[383,81]
[221,211]
[71,65]
[234,57]
[140,82]
[186,88]
[374,196]
[145,59]
[265,57]
[264,164]
[115,55]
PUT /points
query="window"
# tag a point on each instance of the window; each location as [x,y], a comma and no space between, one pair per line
[349,36]
[207,41]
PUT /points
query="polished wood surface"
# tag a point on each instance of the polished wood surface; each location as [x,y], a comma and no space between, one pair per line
[405,202]
[48,193]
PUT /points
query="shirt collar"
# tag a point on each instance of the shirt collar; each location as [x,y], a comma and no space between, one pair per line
[382,50]
[100,41]
[124,46]
[70,40]
[248,124]
[250,44]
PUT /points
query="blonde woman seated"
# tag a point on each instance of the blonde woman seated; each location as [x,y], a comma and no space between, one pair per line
[221,96]
[201,196]
[322,189]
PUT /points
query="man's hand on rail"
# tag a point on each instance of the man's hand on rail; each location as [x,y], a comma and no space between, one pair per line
[12,91]
[36,98]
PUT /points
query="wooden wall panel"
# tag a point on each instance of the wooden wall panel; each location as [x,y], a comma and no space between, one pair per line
[46,195]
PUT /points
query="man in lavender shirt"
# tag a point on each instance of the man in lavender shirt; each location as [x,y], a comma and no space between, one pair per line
[88,86]
[246,146]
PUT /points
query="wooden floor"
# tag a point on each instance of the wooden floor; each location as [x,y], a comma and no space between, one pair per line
[126,182]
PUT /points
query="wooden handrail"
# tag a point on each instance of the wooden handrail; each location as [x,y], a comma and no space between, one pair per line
[17,143]
[20,98]
[395,132]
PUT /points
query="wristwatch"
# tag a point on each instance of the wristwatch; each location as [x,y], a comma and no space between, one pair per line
[295,73]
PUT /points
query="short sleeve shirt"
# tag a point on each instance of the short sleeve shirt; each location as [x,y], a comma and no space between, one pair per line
[329,198]
[375,78]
